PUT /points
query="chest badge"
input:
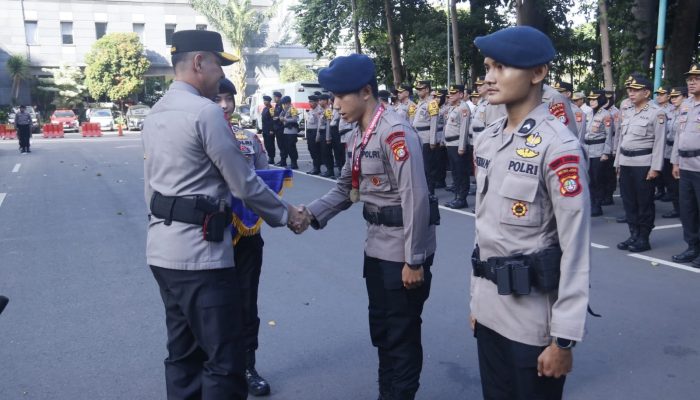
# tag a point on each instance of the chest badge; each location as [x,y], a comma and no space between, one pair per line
[519,209]
[533,140]
[524,152]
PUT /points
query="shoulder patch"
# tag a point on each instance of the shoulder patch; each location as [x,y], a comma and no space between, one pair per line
[608,121]
[328,114]
[563,160]
[433,108]
[569,185]
[293,112]
[393,136]
[662,119]
[579,116]
[400,150]
[559,110]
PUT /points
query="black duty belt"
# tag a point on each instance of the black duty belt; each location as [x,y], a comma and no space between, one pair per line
[635,153]
[451,138]
[388,216]
[594,141]
[669,143]
[344,131]
[422,128]
[688,153]
[212,215]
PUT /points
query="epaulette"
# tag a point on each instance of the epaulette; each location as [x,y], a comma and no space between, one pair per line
[433,108]
[293,111]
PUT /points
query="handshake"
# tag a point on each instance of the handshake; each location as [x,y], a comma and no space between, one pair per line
[299,219]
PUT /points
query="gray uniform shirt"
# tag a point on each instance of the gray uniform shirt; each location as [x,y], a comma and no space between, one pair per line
[313,118]
[189,150]
[671,113]
[600,129]
[406,110]
[687,135]
[532,192]
[425,121]
[23,118]
[324,126]
[644,129]
[560,107]
[457,126]
[290,116]
[580,120]
[252,149]
[345,129]
[392,175]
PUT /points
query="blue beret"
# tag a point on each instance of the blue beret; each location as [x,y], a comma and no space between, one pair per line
[517,46]
[324,96]
[285,100]
[226,86]
[267,98]
[347,74]
[313,97]
[277,94]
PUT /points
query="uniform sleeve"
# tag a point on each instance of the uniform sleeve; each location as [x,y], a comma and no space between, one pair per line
[567,185]
[464,129]
[335,201]
[406,161]
[674,150]
[223,150]
[260,154]
[433,111]
[608,124]
[657,155]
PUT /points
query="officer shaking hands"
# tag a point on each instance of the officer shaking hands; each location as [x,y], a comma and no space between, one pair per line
[192,165]
[529,289]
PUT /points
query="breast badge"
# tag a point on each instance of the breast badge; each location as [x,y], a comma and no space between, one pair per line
[524,152]
[519,209]
[533,140]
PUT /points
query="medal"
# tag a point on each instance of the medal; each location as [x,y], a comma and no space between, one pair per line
[354,195]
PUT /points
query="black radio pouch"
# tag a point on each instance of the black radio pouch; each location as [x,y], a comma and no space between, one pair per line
[434,210]
[216,221]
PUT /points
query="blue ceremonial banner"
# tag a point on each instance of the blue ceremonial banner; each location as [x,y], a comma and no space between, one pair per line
[244,221]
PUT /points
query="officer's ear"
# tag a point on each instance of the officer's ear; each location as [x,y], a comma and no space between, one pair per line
[197,61]
[538,74]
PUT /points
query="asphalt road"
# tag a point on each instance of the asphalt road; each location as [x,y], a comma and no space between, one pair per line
[85,320]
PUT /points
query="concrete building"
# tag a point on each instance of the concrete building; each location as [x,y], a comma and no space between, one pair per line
[55,32]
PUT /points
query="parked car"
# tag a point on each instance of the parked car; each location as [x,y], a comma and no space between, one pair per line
[135,116]
[241,116]
[67,118]
[30,110]
[102,116]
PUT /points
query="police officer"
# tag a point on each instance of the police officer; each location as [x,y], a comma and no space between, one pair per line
[567,89]
[579,98]
[639,160]
[531,199]
[267,128]
[290,121]
[337,146]
[677,96]
[458,147]
[610,183]
[323,136]
[686,167]
[311,122]
[485,113]
[405,106]
[192,165]
[598,147]
[248,250]
[441,159]
[23,122]
[425,121]
[662,100]
[384,96]
[385,171]
[278,128]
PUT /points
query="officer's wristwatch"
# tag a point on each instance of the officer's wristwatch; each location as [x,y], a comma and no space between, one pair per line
[564,343]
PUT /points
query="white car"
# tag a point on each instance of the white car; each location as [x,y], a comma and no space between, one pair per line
[104,117]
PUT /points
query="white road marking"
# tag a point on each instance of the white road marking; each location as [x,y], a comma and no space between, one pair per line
[668,226]
[16,168]
[664,262]
[599,246]
[2,198]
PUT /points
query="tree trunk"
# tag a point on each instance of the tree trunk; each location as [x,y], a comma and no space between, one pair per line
[476,7]
[393,45]
[645,12]
[605,44]
[457,52]
[356,27]
[528,13]
[683,41]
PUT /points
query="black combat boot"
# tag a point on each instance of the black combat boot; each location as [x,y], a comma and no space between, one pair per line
[257,385]
[596,210]
[642,242]
[634,233]
[689,255]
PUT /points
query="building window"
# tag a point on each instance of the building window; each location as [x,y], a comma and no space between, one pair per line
[100,29]
[139,29]
[201,27]
[30,31]
[169,30]
[67,32]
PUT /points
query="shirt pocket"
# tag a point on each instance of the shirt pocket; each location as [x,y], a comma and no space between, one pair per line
[639,128]
[519,206]
[374,177]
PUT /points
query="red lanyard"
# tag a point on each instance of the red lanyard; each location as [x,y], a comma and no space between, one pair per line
[357,159]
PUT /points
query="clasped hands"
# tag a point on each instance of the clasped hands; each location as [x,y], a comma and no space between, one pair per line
[299,218]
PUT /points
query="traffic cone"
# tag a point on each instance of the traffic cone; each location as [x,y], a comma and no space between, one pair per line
[120,131]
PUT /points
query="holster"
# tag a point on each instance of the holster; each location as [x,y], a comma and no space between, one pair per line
[212,215]
[434,210]
[517,274]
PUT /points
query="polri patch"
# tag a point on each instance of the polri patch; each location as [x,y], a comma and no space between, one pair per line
[567,159]
[523,167]
[608,121]
[662,119]
[559,110]
[569,182]
[482,162]
[393,136]
[579,117]
[400,151]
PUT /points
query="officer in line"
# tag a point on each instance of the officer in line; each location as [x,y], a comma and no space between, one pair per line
[639,160]
[267,130]
[609,168]
[677,96]
[384,96]
[457,144]
[472,98]
[662,100]
[192,164]
[23,122]
[441,159]
[425,121]
[405,106]
[248,250]
[311,122]
[532,199]
[337,146]
[290,121]
[278,128]
[385,171]
[560,107]
[567,89]
[323,136]
[579,98]
[686,166]
[598,147]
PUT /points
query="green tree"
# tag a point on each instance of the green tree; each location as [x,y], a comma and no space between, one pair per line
[237,21]
[66,84]
[18,69]
[115,67]
[295,71]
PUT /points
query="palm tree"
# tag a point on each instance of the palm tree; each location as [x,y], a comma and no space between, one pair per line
[235,20]
[18,69]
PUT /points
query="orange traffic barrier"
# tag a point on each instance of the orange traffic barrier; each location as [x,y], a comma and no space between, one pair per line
[90,129]
[52,131]
[8,132]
